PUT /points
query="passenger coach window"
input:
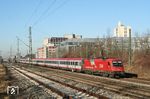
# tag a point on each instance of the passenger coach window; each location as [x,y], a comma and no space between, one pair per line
[76,63]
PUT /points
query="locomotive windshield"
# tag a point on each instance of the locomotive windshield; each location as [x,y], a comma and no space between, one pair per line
[117,63]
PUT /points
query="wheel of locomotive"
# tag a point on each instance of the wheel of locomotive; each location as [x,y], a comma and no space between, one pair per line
[100,73]
[105,75]
[111,75]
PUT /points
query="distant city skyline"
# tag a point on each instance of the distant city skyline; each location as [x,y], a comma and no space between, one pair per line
[48,18]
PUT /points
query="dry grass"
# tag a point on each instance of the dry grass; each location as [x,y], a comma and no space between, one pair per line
[3,83]
[141,71]
[141,65]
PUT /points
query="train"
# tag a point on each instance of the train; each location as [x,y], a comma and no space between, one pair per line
[108,67]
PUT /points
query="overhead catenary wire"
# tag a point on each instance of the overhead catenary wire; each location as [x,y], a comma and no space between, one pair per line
[61,5]
[34,12]
[41,16]
[50,13]
[22,41]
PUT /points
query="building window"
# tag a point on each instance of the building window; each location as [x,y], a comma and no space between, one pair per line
[125,31]
[125,34]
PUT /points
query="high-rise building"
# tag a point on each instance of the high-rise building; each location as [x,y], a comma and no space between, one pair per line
[122,30]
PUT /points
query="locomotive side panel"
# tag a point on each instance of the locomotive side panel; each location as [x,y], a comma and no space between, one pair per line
[102,65]
[96,65]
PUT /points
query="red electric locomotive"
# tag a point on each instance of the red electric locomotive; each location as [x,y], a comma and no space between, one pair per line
[107,67]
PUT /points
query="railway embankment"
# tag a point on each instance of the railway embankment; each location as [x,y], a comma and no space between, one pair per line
[140,65]
[139,70]
[16,86]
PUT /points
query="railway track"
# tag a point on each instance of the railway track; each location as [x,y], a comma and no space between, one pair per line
[65,90]
[130,89]
[28,88]
[133,81]
[138,80]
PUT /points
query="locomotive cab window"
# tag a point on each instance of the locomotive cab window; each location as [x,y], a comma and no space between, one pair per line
[117,63]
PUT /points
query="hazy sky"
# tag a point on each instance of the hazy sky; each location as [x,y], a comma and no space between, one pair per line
[89,18]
